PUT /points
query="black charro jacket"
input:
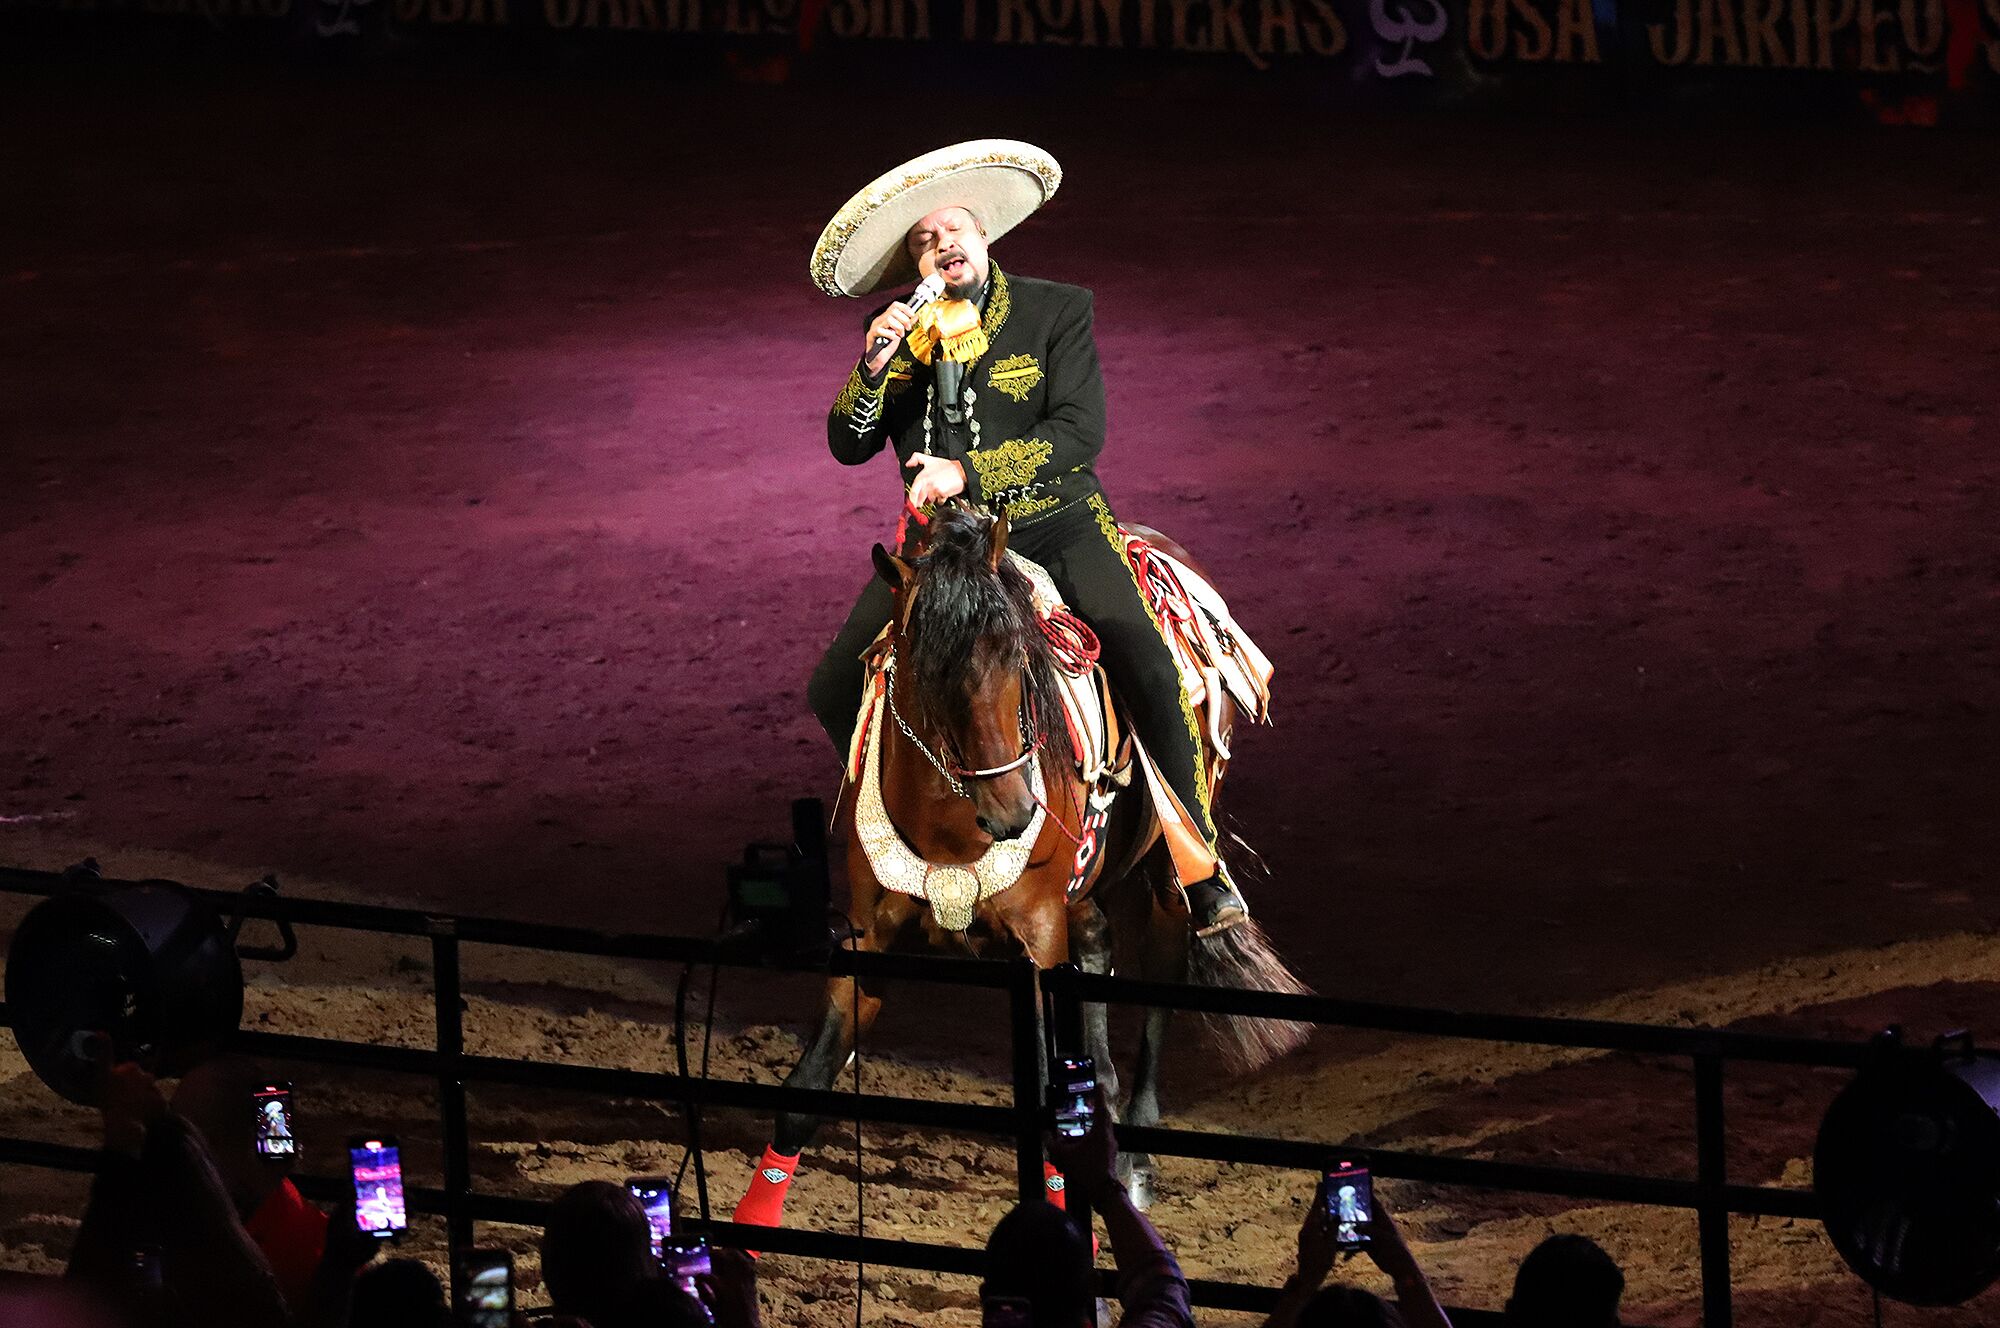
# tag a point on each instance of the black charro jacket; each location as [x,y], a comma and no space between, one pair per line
[1038,396]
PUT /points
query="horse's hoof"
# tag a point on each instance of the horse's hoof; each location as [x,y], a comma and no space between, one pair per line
[1139,1187]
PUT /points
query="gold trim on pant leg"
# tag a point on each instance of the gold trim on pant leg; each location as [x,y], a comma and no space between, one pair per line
[1109,526]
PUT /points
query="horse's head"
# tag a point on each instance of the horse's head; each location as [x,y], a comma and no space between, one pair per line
[977,673]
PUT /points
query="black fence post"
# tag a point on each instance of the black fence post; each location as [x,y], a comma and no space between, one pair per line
[451,1091]
[1712,1204]
[1066,1023]
[1025,1025]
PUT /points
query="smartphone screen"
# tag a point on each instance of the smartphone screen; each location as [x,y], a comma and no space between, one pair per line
[486,1288]
[1072,1081]
[1006,1312]
[147,1275]
[686,1259]
[377,1166]
[656,1196]
[1349,1197]
[273,1105]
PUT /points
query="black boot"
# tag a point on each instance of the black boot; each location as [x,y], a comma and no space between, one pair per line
[1214,906]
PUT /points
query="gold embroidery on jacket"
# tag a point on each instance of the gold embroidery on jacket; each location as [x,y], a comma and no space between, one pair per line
[999,302]
[1010,464]
[1016,376]
[901,375]
[850,395]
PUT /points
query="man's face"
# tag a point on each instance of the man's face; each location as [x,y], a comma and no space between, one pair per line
[949,241]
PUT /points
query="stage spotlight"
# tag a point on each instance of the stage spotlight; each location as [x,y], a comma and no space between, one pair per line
[1907,1171]
[149,965]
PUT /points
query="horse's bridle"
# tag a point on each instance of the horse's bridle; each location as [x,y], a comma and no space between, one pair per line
[956,777]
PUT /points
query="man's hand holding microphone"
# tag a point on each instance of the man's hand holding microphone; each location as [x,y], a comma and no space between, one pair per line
[937,478]
[893,323]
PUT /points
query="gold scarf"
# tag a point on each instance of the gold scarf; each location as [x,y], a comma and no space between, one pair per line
[948,328]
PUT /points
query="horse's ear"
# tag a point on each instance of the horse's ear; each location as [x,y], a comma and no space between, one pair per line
[891,568]
[999,539]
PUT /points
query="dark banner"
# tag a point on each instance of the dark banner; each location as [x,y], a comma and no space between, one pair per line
[1896,61]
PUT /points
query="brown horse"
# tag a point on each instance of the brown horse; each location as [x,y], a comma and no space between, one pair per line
[969,724]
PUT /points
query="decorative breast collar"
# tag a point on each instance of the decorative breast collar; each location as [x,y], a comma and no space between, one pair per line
[954,890]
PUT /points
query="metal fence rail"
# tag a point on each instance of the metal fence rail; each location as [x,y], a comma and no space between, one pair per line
[1708,1193]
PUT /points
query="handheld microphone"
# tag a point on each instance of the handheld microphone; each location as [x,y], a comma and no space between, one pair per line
[927,290]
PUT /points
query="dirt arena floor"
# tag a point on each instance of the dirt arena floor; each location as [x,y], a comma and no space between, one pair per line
[416,490]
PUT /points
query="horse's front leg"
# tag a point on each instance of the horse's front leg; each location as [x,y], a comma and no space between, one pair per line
[851,1007]
[824,1058]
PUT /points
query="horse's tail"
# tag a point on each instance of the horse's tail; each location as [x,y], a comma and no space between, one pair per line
[1244,957]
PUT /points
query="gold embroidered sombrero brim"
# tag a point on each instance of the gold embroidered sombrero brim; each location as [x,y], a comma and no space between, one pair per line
[999,180]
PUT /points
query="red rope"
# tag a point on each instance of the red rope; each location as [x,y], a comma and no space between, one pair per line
[1074,839]
[1169,598]
[1039,730]
[1075,646]
[903,520]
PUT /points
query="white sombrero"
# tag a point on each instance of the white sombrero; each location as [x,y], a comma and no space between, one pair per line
[999,180]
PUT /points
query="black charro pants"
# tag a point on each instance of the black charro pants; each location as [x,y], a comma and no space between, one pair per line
[1085,556]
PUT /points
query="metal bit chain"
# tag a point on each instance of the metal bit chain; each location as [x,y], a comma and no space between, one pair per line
[1030,743]
[915,741]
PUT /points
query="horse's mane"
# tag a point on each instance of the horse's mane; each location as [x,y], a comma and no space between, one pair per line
[968,621]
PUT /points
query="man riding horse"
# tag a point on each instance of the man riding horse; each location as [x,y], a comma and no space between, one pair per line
[993,392]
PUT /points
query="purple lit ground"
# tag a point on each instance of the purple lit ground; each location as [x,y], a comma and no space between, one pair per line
[422,489]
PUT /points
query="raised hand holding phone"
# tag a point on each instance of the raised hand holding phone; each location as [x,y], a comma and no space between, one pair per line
[1006,1312]
[1414,1297]
[486,1289]
[1094,1154]
[1073,1095]
[1348,1196]
[688,1264]
[656,1195]
[348,1250]
[1317,1249]
[686,1260]
[271,1105]
[375,1164]
[1386,1248]
[730,1290]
